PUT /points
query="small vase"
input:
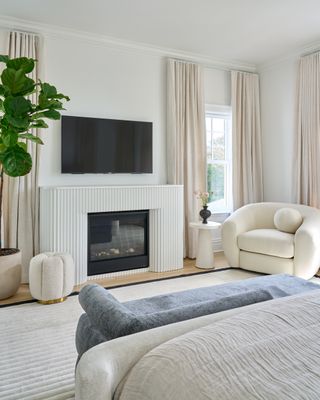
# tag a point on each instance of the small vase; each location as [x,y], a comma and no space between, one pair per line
[205,214]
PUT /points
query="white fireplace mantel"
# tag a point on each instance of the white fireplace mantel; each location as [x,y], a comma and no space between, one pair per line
[64,220]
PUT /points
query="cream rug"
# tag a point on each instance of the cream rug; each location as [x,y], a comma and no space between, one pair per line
[37,344]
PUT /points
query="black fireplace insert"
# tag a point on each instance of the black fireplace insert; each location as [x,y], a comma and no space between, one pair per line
[118,241]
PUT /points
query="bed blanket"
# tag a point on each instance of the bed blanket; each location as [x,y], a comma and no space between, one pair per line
[269,353]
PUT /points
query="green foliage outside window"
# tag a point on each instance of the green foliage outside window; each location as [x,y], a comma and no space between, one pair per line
[215,179]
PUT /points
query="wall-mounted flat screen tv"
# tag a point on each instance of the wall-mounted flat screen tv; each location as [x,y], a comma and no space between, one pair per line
[101,146]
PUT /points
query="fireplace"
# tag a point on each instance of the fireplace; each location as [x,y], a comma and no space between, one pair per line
[117,241]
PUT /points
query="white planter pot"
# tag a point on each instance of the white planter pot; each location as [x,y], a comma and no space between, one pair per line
[10,274]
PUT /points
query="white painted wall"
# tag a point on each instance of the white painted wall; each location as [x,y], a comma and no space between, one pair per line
[104,82]
[217,87]
[278,93]
[111,82]
[3,41]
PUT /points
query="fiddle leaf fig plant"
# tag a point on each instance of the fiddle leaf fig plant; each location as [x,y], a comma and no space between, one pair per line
[19,114]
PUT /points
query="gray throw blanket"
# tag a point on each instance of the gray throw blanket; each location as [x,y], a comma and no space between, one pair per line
[106,318]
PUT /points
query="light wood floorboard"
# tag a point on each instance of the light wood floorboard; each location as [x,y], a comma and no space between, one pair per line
[220,261]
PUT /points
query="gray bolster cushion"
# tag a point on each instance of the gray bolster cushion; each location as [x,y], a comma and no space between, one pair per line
[113,319]
[107,314]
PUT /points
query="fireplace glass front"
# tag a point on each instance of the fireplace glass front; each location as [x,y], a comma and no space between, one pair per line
[117,241]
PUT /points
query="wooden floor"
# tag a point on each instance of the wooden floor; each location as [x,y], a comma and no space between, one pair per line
[23,293]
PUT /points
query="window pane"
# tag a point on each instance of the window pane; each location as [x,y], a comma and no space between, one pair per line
[218,134]
[218,146]
[216,174]
[208,124]
[209,146]
[218,124]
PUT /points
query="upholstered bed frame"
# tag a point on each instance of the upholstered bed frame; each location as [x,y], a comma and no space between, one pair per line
[105,371]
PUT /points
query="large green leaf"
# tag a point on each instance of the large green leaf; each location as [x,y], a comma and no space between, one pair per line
[17,82]
[45,103]
[23,63]
[31,137]
[10,139]
[4,59]
[48,90]
[52,114]
[39,123]
[16,161]
[62,96]
[17,106]
[23,145]
[18,122]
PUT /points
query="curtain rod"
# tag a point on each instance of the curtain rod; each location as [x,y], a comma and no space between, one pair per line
[310,53]
[212,66]
[27,32]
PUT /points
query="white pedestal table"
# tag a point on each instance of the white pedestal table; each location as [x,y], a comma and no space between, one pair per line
[205,256]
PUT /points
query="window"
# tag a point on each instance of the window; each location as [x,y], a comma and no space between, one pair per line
[219,156]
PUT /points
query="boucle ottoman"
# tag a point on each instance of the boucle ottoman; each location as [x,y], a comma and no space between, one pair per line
[51,277]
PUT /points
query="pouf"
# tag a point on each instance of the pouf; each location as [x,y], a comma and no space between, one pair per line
[51,277]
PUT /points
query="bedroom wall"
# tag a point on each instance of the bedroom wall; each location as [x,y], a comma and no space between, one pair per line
[278,94]
[109,81]
[105,82]
[217,90]
[3,41]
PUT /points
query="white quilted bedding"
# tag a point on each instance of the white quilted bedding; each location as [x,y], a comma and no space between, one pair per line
[270,353]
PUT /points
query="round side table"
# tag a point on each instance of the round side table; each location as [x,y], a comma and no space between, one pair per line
[205,257]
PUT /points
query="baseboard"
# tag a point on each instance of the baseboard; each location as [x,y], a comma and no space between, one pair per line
[119,273]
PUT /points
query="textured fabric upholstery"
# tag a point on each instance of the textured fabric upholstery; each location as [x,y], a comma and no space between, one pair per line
[106,318]
[51,276]
[287,220]
[306,259]
[104,369]
[267,241]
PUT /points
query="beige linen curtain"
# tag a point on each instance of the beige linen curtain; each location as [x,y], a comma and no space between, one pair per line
[20,195]
[186,139]
[307,151]
[246,139]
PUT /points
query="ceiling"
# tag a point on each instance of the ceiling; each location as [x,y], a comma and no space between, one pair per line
[252,31]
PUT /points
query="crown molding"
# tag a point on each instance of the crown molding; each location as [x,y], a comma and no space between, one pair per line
[55,31]
[294,55]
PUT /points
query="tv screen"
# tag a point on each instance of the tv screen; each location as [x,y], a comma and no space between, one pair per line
[100,146]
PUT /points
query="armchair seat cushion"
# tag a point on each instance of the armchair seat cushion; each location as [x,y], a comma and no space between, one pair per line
[267,241]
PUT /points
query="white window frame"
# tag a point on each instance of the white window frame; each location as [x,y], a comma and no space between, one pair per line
[224,112]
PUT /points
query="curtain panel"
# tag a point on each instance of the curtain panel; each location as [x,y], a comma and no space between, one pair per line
[307,143]
[186,149]
[21,195]
[247,181]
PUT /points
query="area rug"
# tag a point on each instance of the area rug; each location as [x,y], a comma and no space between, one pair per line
[37,350]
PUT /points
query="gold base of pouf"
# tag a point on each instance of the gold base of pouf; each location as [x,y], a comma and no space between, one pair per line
[52,301]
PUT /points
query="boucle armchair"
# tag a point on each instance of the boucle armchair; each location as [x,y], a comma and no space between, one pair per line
[252,241]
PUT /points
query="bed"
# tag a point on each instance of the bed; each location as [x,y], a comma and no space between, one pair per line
[264,351]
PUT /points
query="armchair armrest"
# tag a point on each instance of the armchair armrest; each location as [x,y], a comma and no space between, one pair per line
[240,221]
[307,248]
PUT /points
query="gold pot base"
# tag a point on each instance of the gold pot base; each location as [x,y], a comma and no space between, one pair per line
[60,300]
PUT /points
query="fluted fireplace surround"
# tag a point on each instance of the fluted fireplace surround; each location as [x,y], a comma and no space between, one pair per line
[64,221]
